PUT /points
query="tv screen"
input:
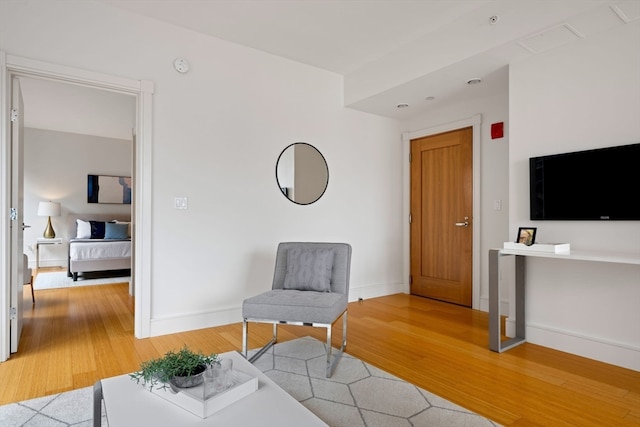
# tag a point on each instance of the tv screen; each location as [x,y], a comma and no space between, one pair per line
[600,184]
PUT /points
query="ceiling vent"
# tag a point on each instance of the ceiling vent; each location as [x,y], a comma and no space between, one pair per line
[551,38]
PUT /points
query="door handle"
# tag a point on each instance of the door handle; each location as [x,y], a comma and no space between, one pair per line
[463,224]
[25,226]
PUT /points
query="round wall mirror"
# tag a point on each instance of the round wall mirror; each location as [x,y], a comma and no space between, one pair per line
[302,173]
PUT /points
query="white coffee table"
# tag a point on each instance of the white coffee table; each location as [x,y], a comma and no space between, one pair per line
[128,404]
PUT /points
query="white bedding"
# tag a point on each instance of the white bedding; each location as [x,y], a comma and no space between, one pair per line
[91,249]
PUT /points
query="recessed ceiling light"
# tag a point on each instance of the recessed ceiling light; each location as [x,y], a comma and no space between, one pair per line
[430,98]
[402,105]
[474,81]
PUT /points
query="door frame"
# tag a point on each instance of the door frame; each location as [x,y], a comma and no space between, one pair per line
[142,90]
[475,123]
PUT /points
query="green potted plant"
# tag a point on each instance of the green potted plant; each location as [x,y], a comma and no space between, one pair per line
[184,368]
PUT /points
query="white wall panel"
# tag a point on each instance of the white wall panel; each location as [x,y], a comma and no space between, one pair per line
[583,96]
[218,131]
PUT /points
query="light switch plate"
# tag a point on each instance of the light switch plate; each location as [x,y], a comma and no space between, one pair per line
[181,203]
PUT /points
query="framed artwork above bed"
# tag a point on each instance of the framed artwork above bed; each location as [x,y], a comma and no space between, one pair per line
[109,189]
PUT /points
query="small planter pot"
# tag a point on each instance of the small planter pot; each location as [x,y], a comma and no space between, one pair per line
[191,380]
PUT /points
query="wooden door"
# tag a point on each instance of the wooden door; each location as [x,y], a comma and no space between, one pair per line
[441,216]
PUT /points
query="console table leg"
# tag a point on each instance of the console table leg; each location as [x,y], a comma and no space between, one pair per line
[520,315]
[495,343]
[494,300]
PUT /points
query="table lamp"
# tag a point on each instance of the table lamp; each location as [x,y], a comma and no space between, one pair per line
[49,209]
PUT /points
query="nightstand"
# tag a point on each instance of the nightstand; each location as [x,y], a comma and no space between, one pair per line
[43,241]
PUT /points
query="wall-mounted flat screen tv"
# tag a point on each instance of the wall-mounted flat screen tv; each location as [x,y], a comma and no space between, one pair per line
[592,185]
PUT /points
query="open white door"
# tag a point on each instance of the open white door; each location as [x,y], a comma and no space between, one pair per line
[17,216]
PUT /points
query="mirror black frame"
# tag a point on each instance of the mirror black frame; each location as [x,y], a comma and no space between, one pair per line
[286,190]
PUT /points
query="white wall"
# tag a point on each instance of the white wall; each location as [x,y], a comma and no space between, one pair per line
[582,96]
[217,133]
[494,185]
[56,165]
[218,130]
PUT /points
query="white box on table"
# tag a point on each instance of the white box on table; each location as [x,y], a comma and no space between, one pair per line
[557,248]
[192,399]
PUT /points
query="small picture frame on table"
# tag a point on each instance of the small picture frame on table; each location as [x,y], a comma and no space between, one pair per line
[526,235]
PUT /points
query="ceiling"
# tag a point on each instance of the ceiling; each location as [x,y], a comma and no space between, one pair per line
[397,51]
[393,52]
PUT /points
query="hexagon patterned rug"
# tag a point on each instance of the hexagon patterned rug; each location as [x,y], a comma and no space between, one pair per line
[357,394]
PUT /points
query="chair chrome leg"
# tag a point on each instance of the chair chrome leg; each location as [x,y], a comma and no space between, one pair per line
[275,332]
[331,364]
[244,338]
[344,331]
[267,346]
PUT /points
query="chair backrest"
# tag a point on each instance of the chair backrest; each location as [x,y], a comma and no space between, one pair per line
[340,272]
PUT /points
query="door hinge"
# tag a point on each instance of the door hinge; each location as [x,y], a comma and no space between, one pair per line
[410,157]
[14,114]
[13,313]
[409,218]
[13,214]
[411,280]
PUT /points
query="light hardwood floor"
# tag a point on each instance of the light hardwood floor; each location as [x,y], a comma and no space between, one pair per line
[73,337]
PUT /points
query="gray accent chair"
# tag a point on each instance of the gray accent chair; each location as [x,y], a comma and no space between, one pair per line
[310,288]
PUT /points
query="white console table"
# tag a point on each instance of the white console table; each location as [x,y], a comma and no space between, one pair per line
[495,255]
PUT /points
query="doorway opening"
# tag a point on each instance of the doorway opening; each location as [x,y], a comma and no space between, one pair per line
[16,67]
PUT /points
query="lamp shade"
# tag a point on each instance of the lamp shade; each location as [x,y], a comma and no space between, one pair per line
[49,209]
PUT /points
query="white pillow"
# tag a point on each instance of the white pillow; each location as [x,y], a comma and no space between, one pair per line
[84,229]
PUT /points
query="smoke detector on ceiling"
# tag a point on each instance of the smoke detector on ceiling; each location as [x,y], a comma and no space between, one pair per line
[181,65]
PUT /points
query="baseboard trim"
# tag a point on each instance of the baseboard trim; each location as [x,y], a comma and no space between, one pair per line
[193,321]
[607,351]
[48,263]
[374,291]
[484,305]
[615,353]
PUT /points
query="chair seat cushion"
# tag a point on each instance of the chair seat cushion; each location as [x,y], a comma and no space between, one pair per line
[295,306]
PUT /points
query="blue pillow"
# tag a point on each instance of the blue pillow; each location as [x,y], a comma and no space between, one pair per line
[116,231]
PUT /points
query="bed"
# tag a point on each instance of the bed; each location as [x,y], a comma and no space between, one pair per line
[98,242]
